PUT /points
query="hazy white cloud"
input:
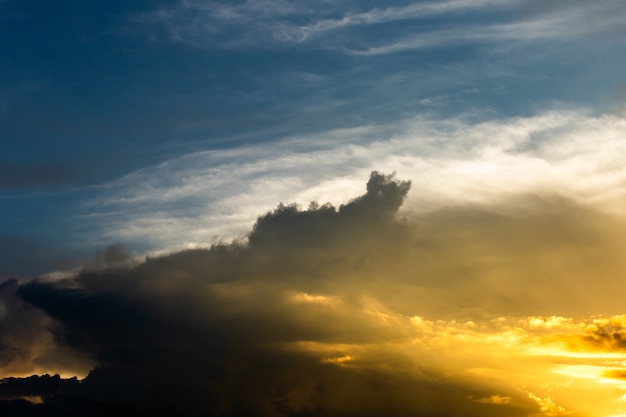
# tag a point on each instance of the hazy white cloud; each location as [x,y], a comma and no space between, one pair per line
[198,198]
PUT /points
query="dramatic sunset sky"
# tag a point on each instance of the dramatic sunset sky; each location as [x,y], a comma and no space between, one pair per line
[313,208]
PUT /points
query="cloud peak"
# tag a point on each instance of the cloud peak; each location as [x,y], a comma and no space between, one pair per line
[288,224]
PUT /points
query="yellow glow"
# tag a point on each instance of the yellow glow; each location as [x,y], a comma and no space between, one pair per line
[302,297]
[63,373]
[494,399]
[34,399]
[547,406]
[556,360]
[337,360]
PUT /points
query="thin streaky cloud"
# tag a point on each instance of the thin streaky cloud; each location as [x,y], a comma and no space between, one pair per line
[251,23]
[562,27]
[391,14]
[193,21]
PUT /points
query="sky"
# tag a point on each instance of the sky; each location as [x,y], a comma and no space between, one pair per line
[283,208]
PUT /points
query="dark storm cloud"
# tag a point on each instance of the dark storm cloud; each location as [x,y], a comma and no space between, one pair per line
[267,328]
[27,339]
[43,386]
[17,340]
[314,314]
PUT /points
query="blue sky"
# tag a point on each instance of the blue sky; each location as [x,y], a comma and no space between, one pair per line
[164,173]
[171,124]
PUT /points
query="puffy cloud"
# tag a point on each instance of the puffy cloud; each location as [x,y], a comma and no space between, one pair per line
[283,324]
[336,311]
[607,333]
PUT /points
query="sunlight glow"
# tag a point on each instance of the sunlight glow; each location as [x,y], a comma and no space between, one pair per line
[556,359]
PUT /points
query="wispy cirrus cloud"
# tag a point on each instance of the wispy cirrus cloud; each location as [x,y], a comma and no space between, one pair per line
[335,26]
[378,16]
[560,27]
[204,22]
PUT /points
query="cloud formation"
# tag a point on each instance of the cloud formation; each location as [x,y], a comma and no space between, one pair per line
[330,311]
[337,26]
[458,162]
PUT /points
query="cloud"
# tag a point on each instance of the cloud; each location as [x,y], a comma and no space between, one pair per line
[378,16]
[208,196]
[297,320]
[561,26]
[494,399]
[336,26]
[335,310]
[40,387]
[549,28]
[27,340]
[607,333]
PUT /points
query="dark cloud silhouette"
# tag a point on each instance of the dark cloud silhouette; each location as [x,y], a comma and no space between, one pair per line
[363,217]
[27,339]
[33,386]
[309,316]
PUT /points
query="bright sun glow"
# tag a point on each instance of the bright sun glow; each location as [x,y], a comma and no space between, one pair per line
[561,363]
